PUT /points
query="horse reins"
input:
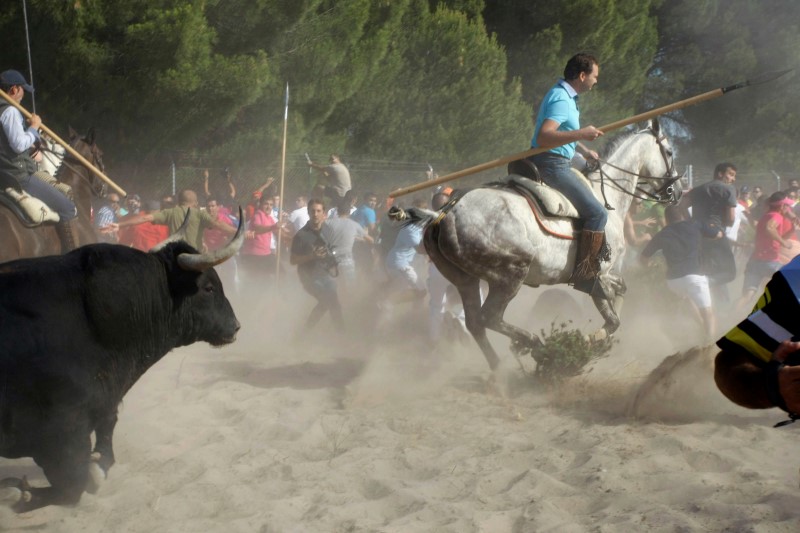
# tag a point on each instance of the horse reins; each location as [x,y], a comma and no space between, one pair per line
[656,196]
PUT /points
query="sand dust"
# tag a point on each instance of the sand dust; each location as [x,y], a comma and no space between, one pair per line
[375,431]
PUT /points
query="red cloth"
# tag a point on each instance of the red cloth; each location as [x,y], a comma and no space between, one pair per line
[142,236]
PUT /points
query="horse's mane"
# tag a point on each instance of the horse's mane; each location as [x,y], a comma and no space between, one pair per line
[614,145]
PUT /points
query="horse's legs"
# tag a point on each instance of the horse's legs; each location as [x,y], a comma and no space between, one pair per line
[609,303]
[493,309]
[470,292]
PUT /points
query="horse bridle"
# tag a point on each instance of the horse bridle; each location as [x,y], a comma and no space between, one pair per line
[80,169]
[666,194]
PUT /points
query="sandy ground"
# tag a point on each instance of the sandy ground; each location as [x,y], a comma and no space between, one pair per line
[373,431]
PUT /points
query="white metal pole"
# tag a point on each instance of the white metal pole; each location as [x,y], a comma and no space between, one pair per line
[283,175]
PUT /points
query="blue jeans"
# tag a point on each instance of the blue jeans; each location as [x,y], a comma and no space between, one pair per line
[557,173]
[51,196]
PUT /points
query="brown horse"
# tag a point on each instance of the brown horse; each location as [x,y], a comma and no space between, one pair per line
[17,240]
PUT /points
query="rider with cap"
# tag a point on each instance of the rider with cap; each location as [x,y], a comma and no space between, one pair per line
[16,143]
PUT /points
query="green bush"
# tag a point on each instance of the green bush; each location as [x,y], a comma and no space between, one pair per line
[566,352]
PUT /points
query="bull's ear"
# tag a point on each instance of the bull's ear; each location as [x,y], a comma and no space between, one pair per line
[90,136]
[72,134]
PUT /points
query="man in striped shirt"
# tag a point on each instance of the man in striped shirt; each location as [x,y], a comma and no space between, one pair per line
[756,365]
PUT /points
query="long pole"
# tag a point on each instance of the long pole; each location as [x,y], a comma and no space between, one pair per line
[97,172]
[605,129]
[283,175]
[30,62]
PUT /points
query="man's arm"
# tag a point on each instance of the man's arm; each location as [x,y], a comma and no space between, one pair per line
[550,136]
[298,258]
[587,152]
[19,138]
[744,382]
[133,221]
[223,227]
[772,230]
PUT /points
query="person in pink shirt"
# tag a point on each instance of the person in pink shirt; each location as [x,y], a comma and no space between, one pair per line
[257,259]
[774,234]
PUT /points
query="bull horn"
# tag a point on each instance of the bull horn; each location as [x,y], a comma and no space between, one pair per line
[179,235]
[201,262]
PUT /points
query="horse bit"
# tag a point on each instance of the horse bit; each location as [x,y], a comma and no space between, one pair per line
[666,194]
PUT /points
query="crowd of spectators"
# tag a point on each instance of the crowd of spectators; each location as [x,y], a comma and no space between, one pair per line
[718,236]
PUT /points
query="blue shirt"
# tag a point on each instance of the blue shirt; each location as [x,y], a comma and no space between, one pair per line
[560,104]
[405,247]
[364,215]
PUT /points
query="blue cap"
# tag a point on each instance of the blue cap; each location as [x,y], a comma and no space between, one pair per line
[14,77]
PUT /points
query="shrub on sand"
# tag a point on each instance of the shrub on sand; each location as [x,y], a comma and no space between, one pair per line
[566,352]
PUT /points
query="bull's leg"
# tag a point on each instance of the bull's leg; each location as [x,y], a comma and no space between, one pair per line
[493,309]
[103,454]
[470,292]
[65,463]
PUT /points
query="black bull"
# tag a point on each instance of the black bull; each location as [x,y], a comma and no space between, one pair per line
[76,332]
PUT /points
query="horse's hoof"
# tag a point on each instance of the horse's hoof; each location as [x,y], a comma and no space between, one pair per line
[519,348]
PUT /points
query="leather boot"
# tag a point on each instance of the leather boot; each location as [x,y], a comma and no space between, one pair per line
[587,263]
[64,232]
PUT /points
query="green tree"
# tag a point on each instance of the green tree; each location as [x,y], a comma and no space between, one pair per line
[540,36]
[711,44]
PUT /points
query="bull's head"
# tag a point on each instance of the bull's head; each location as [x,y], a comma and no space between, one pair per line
[209,312]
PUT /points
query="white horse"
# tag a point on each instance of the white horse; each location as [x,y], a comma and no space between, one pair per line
[493,235]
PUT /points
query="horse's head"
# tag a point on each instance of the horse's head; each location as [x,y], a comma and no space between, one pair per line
[659,170]
[87,148]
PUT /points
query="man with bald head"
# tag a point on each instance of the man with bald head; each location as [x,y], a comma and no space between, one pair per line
[173,218]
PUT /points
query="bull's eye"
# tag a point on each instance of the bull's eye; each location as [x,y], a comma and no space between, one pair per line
[209,288]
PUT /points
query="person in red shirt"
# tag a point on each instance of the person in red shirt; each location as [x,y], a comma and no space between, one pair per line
[773,235]
[213,238]
[143,236]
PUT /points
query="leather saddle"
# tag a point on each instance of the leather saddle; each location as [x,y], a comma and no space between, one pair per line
[524,178]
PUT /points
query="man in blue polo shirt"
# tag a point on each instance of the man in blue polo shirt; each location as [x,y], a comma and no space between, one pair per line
[558,127]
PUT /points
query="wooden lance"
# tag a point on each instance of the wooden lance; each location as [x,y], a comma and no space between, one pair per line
[74,153]
[763,78]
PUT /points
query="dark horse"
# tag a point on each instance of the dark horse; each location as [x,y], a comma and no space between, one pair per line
[493,235]
[18,241]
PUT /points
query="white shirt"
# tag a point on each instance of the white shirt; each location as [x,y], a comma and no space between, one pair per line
[732,231]
[18,136]
[298,218]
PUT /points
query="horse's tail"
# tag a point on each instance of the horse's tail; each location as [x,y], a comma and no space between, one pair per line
[413,215]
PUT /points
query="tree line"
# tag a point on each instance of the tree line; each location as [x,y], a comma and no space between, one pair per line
[453,82]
